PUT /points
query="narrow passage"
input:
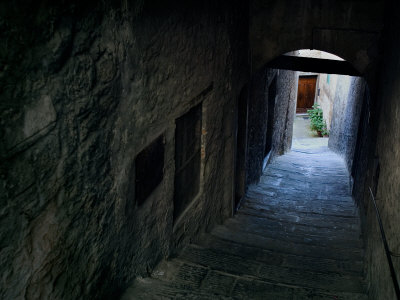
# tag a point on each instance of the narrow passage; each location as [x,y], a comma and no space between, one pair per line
[297,236]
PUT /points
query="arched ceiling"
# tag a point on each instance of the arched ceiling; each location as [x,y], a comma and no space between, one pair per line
[350,29]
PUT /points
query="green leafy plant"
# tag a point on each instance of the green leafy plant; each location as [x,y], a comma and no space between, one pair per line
[317,120]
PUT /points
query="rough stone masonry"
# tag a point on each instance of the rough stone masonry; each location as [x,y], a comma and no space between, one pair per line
[85,87]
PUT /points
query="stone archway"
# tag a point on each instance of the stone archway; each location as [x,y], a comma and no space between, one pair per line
[349,30]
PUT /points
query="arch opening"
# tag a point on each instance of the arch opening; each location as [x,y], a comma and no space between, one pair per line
[272,119]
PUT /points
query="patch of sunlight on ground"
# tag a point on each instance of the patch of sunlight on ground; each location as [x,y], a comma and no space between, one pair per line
[303,136]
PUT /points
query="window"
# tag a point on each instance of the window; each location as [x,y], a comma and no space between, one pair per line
[149,169]
[187,159]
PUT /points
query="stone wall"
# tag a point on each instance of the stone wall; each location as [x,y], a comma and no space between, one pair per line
[257,125]
[285,110]
[85,87]
[319,27]
[349,96]
[285,105]
[384,171]
[363,149]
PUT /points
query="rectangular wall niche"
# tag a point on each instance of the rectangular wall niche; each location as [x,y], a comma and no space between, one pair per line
[187,159]
[149,166]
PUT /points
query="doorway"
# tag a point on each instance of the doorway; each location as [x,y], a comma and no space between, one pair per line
[306,93]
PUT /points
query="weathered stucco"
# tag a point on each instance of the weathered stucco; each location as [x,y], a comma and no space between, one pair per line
[327,84]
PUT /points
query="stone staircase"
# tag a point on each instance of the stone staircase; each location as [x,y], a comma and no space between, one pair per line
[296,236]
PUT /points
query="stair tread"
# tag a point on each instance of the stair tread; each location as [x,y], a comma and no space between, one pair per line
[296,236]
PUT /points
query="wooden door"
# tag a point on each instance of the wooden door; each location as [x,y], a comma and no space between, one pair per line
[306,93]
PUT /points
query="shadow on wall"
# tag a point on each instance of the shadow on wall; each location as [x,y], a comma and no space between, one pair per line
[346,113]
[272,102]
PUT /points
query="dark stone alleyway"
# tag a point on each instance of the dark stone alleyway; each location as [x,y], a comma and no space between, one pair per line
[297,236]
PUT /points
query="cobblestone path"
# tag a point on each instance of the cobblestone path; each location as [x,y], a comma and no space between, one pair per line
[296,236]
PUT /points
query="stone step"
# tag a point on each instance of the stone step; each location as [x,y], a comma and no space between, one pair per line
[274,196]
[212,243]
[295,233]
[253,289]
[296,236]
[270,177]
[317,208]
[196,282]
[340,224]
[285,246]
[153,289]
[304,189]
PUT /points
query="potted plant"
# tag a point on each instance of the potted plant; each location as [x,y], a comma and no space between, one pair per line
[317,120]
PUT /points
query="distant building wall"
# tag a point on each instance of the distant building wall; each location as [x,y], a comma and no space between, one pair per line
[328,85]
